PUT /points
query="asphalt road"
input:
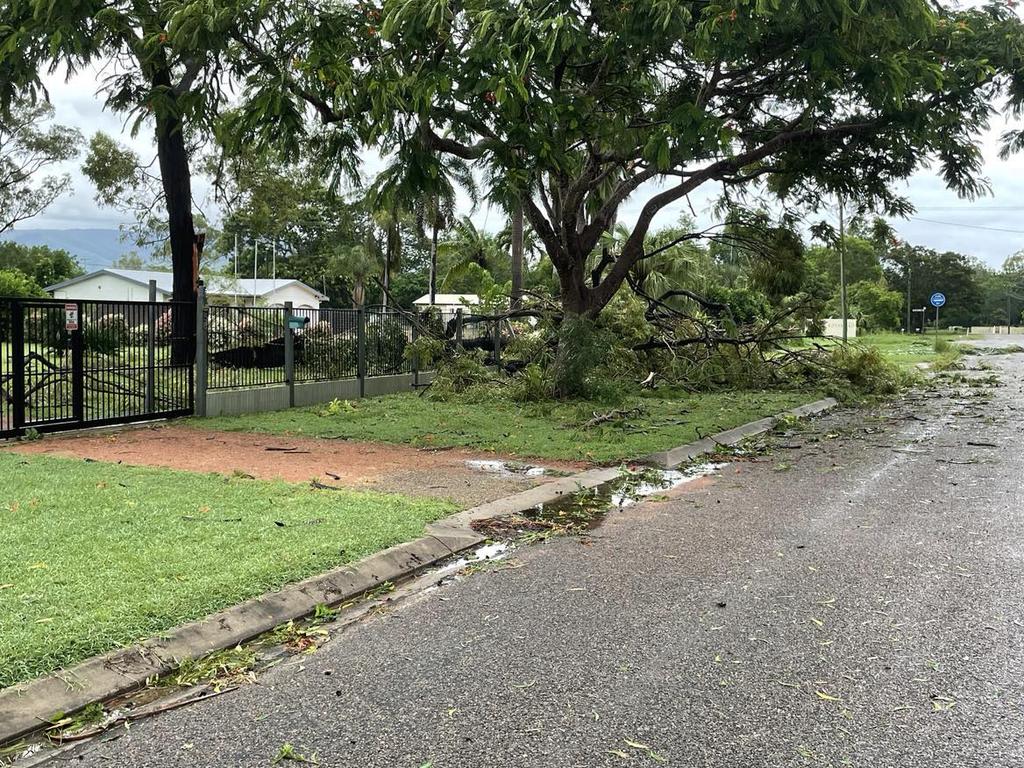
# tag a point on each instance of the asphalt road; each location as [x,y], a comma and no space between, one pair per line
[853,598]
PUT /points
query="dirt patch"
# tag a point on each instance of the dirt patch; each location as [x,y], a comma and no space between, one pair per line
[397,468]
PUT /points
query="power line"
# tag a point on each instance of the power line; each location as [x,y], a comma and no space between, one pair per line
[971,209]
[969,226]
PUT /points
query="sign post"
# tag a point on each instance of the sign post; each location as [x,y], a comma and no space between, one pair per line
[71,317]
[937,300]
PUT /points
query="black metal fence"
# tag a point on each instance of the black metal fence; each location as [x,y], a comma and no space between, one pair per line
[67,364]
[6,370]
[76,363]
[247,346]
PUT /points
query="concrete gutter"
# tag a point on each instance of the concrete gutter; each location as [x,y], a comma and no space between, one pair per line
[28,707]
[673,457]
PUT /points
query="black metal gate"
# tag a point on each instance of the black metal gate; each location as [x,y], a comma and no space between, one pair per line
[82,363]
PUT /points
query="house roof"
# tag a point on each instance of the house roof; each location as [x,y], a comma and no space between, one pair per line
[467,299]
[215,284]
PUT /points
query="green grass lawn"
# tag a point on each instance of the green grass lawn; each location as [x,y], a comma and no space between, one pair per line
[908,350]
[549,430]
[95,556]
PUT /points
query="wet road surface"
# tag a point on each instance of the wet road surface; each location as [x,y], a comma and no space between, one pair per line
[853,597]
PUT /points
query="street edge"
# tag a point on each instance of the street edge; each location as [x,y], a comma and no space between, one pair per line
[28,707]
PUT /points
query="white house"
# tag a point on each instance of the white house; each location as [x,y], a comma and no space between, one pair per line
[133,285]
[447,303]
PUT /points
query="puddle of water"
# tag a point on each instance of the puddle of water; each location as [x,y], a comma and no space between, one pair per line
[670,478]
[497,550]
[498,467]
[587,508]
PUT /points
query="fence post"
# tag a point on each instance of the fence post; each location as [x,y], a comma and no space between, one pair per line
[151,350]
[202,351]
[289,354]
[361,353]
[458,327]
[497,343]
[415,359]
[78,367]
[18,365]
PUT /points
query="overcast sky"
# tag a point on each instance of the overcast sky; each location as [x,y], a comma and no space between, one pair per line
[988,228]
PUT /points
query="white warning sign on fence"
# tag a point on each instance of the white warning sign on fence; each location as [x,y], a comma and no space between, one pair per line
[70,317]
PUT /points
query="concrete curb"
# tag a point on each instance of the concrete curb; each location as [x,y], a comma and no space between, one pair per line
[673,457]
[26,708]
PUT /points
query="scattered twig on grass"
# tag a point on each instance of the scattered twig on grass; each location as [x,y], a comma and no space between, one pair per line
[317,485]
[615,415]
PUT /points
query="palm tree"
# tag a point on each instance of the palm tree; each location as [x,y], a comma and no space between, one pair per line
[359,263]
[437,213]
[671,265]
[389,220]
[421,182]
[466,247]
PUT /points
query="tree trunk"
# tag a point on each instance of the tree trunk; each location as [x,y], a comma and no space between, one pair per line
[517,256]
[433,263]
[185,246]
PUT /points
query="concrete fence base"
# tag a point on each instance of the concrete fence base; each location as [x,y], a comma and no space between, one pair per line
[991,330]
[233,402]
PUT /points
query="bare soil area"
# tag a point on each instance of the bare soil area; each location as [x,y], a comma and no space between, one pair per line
[448,474]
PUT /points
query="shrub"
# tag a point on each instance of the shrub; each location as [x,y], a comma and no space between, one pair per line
[327,352]
[45,325]
[386,340]
[139,335]
[164,328]
[106,335]
[530,385]
[220,332]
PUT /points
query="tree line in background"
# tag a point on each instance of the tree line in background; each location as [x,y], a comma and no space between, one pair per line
[558,114]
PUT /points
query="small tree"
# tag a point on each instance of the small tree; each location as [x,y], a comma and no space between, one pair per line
[17,284]
[875,306]
[27,149]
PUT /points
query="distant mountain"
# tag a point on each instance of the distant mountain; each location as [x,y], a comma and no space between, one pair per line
[93,248]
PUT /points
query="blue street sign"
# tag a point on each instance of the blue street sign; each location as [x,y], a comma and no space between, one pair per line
[937,299]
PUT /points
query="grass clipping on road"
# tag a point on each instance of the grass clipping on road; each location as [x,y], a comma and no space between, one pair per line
[553,429]
[96,556]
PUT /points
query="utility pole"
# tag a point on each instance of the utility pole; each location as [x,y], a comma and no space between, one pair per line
[236,269]
[255,263]
[842,267]
[907,272]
